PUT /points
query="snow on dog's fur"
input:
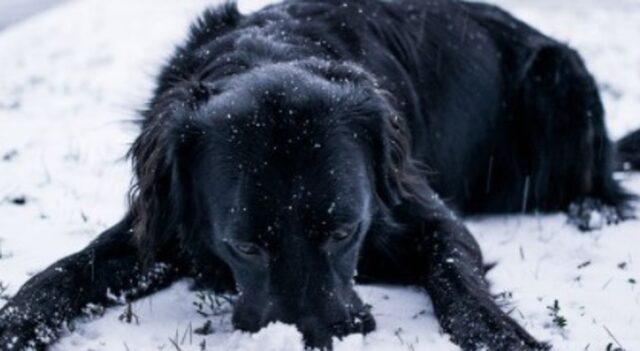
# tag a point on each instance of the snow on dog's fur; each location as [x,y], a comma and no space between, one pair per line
[182,146]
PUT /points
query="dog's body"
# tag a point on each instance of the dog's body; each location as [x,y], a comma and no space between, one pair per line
[285,149]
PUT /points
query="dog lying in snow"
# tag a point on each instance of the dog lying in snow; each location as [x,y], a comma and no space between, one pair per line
[286,150]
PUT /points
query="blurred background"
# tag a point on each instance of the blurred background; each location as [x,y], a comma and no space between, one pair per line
[12,11]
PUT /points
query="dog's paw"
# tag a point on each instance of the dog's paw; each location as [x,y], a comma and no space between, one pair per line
[20,331]
[506,339]
[590,214]
[486,328]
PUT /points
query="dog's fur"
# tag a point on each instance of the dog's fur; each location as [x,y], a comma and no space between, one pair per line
[286,150]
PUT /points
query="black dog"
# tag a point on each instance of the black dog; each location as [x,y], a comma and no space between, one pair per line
[287,149]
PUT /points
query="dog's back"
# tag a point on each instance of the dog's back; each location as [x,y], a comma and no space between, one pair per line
[472,83]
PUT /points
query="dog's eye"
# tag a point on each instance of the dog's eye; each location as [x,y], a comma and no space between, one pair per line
[345,232]
[340,234]
[247,249]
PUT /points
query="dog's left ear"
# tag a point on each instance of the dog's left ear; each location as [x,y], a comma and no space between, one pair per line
[399,178]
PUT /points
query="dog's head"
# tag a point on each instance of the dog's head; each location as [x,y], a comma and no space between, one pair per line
[279,173]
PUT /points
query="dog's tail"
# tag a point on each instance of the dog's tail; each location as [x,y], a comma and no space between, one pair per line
[628,150]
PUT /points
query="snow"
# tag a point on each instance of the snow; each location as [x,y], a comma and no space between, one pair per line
[72,79]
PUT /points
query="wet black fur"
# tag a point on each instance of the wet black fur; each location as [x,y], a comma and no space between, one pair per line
[270,133]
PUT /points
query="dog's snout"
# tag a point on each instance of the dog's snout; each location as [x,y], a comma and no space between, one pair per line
[318,320]
[307,288]
[315,334]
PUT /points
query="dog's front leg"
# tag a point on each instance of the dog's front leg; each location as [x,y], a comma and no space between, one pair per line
[105,273]
[454,278]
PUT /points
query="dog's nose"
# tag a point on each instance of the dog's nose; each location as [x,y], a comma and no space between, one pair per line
[317,334]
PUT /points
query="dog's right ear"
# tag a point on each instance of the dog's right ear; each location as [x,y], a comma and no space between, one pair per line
[156,198]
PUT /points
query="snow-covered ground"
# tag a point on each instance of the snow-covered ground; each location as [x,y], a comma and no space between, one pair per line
[71,79]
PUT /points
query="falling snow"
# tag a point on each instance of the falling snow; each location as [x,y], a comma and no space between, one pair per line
[72,80]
